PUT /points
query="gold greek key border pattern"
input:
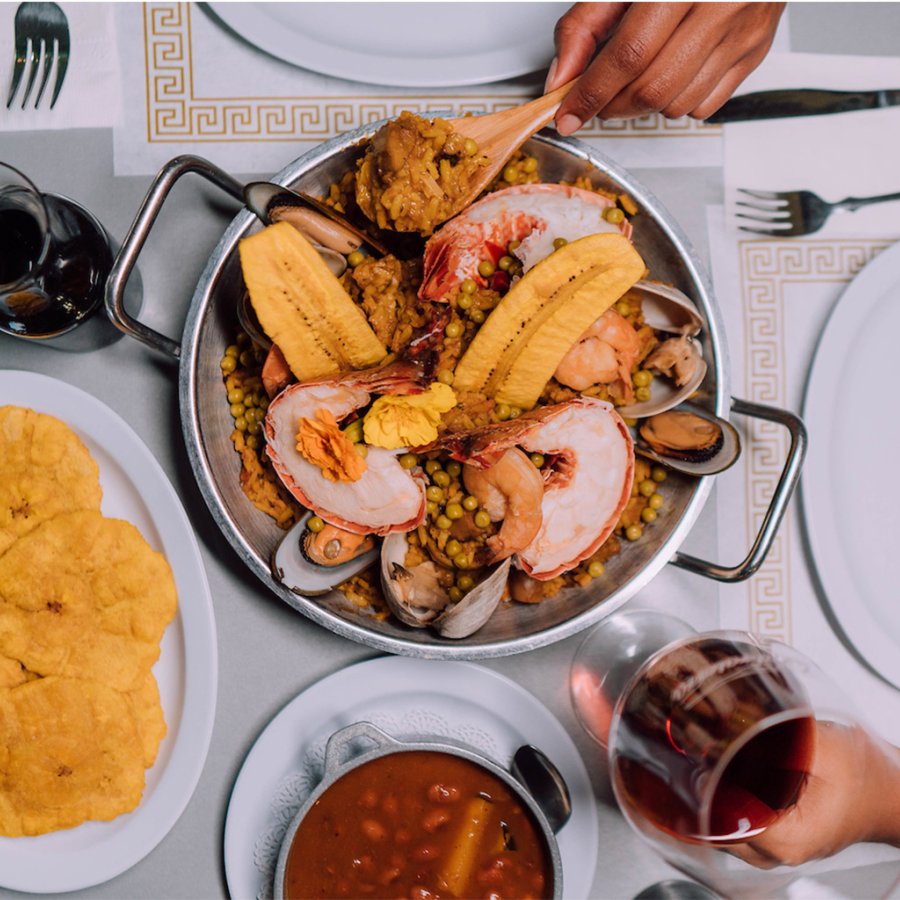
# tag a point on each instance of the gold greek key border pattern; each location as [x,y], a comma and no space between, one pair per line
[176,113]
[766,269]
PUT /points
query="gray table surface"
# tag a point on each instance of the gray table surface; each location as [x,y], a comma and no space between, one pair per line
[267,652]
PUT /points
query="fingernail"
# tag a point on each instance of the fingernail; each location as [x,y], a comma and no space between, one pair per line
[551,75]
[568,124]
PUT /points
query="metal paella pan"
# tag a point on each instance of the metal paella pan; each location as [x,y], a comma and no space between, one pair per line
[207,423]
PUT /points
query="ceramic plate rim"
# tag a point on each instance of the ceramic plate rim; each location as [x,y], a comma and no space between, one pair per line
[130,840]
[409,674]
[842,593]
[251,24]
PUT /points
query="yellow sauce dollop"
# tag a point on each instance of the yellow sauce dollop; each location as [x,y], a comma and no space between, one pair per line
[393,422]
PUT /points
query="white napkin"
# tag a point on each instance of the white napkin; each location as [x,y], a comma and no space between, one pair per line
[90,95]
[837,156]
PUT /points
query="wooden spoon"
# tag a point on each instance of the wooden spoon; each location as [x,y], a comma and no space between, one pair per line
[499,135]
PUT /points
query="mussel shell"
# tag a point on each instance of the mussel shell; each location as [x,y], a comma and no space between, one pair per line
[720,458]
[291,567]
[454,620]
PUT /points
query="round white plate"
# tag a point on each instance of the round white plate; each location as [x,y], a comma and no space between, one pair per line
[405,697]
[849,489]
[134,488]
[402,44]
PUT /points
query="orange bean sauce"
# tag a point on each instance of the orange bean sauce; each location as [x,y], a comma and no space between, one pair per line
[418,825]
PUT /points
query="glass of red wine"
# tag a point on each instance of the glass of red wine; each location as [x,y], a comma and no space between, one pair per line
[711,740]
[54,260]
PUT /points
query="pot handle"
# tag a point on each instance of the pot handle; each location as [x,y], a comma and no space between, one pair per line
[137,235]
[790,474]
[339,741]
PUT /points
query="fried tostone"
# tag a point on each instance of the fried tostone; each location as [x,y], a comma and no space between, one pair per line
[47,470]
[69,751]
[85,597]
[147,710]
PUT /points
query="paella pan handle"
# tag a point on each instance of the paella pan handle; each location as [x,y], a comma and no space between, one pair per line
[790,474]
[137,235]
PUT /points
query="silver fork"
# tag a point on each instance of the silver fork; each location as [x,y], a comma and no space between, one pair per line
[42,36]
[792,213]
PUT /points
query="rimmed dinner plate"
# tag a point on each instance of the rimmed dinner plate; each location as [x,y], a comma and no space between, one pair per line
[402,44]
[406,698]
[135,488]
[849,492]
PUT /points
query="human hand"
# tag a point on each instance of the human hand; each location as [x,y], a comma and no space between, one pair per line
[852,794]
[675,58]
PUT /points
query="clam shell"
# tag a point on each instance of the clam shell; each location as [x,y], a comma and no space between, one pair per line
[726,456]
[667,309]
[292,569]
[451,620]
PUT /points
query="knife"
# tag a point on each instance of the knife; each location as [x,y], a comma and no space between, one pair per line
[800,102]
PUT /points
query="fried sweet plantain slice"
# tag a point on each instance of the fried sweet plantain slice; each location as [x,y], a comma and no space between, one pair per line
[70,750]
[45,470]
[85,596]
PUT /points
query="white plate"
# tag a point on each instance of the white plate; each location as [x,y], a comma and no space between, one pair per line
[402,44]
[850,490]
[405,697]
[134,488]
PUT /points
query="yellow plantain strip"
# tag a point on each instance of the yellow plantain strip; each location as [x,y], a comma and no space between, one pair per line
[303,307]
[541,299]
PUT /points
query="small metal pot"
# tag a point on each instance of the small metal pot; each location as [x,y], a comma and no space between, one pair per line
[336,766]
[207,422]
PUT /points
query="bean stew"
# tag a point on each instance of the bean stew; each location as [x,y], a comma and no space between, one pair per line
[419,825]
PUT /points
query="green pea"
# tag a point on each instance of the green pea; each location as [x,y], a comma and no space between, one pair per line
[510,174]
[648,514]
[431,508]
[454,511]
[253,427]
[512,246]
[470,503]
[453,329]
[504,263]
[647,487]
[655,501]
[514,412]
[476,316]
[445,376]
[596,569]
[462,560]
[315,524]
[452,547]
[465,582]
[614,215]
[237,410]
[633,532]
[559,243]
[468,286]
[658,474]
[354,431]
[253,441]
[228,364]
[443,523]
[431,466]
[538,460]
[530,165]
[642,378]
[434,493]
[361,449]
[453,468]
[441,478]
[470,147]
[232,351]
[241,423]
[486,268]
[242,339]
[465,301]
[455,594]
[623,308]
[235,395]
[355,258]
[250,400]
[246,359]
[642,394]
[409,460]
[482,519]
[501,411]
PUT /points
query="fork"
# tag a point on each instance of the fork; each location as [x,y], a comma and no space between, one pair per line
[42,36]
[792,213]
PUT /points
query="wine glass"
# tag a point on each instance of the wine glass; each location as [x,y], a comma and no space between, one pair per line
[53,267]
[711,740]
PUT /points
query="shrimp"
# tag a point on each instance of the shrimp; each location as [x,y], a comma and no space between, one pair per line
[386,497]
[604,354]
[511,490]
[534,214]
[586,488]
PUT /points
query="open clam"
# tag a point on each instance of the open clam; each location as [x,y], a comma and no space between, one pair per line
[416,597]
[679,358]
[311,563]
[689,440]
